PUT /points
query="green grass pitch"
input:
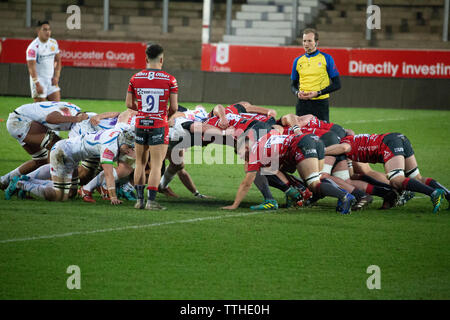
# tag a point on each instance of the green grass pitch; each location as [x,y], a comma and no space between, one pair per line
[194,250]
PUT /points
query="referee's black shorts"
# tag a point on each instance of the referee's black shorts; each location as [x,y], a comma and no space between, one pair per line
[318,108]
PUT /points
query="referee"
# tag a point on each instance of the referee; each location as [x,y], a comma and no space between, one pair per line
[314,75]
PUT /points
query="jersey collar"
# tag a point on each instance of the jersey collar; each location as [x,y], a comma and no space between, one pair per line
[315,53]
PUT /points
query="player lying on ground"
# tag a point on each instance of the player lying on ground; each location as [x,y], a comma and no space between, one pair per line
[33,126]
[394,150]
[64,158]
[304,152]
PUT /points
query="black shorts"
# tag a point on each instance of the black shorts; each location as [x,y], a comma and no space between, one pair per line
[399,145]
[338,130]
[152,137]
[260,128]
[318,108]
[312,147]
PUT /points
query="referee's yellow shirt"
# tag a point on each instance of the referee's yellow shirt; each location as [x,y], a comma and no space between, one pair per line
[314,71]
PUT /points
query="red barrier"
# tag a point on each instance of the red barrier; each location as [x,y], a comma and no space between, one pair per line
[103,54]
[350,62]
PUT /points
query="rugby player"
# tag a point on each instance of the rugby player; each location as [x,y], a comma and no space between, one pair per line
[33,126]
[303,152]
[150,91]
[64,158]
[44,65]
[395,151]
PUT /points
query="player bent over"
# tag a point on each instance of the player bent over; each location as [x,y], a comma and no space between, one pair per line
[64,158]
[33,126]
[394,150]
[304,152]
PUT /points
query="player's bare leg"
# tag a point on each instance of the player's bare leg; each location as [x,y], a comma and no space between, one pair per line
[142,155]
[55,96]
[157,156]
[412,171]
[309,171]
[395,170]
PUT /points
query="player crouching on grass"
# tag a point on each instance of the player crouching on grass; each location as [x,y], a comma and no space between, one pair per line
[64,159]
[33,126]
[305,152]
[394,150]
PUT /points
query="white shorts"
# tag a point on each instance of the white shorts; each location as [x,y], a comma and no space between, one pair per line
[177,132]
[18,126]
[46,83]
[61,160]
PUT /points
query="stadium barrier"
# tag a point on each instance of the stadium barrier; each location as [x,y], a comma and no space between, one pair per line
[222,87]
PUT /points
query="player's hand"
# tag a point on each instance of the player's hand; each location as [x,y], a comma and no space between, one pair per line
[94,120]
[115,201]
[39,88]
[82,116]
[304,95]
[223,123]
[232,207]
[272,113]
[55,81]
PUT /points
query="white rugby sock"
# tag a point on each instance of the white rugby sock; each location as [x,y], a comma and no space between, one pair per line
[94,183]
[99,180]
[8,177]
[41,173]
[38,189]
[166,178]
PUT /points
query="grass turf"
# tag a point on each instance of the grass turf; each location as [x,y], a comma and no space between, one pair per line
[194,250]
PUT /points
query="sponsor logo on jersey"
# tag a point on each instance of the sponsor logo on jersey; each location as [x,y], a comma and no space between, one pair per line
[52,48]
[161,75]
[108,154]
[141,91]
[31,53]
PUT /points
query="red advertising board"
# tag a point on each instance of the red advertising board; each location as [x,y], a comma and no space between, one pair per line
[103,54]
[395,63]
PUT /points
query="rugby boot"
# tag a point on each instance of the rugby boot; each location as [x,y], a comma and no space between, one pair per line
[153,205]
[12,188]
[344,205]
[104,193]
[139,204]
[436,198]
[271,204]
[404,197]
[364,201]
[293,196]
[85,195]
[390,199]
[200,196]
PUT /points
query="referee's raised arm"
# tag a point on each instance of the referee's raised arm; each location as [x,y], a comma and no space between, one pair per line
[314,76]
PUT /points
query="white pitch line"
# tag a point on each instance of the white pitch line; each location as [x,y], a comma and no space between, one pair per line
[157,224]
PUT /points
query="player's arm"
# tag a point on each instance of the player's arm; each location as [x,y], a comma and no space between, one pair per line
[95,120]
[57,72]
[337,149]
[243,190]
[34,76]
[219,111]
[256,109]
[130,101]
[110,182]
[173,100]
[55,117]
